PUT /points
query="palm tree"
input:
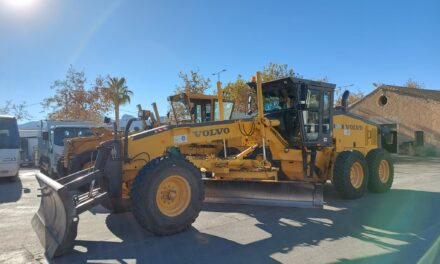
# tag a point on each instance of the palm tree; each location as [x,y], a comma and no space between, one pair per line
[119,94]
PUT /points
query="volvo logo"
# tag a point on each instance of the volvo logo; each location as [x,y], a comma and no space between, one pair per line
[211,132]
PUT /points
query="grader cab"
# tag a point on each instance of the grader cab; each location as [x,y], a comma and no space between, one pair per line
[198,108]
[283,156]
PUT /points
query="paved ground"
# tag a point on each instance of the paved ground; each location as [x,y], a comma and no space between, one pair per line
[402,226]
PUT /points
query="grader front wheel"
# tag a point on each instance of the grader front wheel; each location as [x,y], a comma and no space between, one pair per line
[167,195]
[350,174]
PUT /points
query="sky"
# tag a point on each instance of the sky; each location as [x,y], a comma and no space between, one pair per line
[149,42]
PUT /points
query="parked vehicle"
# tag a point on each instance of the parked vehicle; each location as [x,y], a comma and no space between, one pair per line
[9,147]
[51,142]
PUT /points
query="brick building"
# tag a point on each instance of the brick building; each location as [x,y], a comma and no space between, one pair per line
[415,113]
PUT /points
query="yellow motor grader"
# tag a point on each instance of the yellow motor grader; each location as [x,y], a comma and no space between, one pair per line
[294,144]
[80,153]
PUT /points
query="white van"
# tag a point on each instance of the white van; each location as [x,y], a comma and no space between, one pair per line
[9,147]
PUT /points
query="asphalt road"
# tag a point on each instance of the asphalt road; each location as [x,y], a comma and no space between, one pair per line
[402,226]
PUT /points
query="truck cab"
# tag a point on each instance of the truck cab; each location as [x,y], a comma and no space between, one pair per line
[52,139]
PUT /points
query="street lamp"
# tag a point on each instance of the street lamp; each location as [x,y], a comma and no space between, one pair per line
[218,74]
[346,86]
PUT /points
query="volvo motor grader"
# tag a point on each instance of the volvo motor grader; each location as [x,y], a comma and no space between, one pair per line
[294,144]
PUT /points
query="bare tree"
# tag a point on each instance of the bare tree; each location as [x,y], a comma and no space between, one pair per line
[18,110]
[414,84]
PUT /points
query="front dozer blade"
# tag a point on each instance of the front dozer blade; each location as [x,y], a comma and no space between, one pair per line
[284,194]
[56,221]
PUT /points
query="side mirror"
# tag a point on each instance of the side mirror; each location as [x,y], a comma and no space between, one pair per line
[45,135]
[249,105]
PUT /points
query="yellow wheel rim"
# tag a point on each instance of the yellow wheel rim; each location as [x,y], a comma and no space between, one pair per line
[173,195]
[384,171]
[357,175]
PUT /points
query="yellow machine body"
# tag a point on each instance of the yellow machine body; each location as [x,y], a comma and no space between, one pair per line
[282,156]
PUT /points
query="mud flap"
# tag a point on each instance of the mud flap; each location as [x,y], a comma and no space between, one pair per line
[56,221]
[284,194]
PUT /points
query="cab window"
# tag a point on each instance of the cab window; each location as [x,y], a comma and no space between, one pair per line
[311,115]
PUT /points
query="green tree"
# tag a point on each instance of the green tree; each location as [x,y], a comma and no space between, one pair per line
[239,91]
[76,100]
[273,71]
[193,82]
[119,94]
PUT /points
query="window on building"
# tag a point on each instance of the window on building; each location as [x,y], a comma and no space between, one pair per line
[383,100]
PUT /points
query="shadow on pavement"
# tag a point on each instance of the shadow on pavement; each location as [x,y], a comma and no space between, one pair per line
[413,159]
[10,190]
[403,222]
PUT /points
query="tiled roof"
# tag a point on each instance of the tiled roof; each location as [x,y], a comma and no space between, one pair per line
[414,92]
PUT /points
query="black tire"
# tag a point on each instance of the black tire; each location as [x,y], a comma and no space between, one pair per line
[13,178]
[144,189]
[341,174]
[78,162]
[61,170]
[374,159]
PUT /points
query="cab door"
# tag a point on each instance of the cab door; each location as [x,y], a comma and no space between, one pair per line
[316,117]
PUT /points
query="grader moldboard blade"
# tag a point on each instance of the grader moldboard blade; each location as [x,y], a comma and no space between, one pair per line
[284,194]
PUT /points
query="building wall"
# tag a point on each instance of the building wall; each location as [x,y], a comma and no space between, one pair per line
[410,113]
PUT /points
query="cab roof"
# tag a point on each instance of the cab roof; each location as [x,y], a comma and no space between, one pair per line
[291,81]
